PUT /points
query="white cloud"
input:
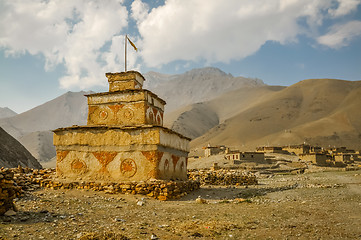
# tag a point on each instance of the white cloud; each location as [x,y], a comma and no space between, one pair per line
[340,35]
[87,36]
[221,31]
[139,10]
[344,7]
[72,33]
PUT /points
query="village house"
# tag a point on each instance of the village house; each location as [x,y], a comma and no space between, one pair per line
[341,150]
[270,149]
[237,157]
[297,149]
[316,158]
[316,149]
[345,158]
[209,150]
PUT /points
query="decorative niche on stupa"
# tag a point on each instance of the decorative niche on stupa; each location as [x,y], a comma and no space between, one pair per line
[124,139]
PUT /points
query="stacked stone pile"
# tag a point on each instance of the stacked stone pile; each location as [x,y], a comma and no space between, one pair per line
[8,191]
[222,177]
[162,190]
[26,179]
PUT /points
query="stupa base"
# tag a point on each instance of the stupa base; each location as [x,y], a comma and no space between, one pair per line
[115,154]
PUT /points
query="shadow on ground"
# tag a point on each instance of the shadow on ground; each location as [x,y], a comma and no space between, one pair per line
[221,193]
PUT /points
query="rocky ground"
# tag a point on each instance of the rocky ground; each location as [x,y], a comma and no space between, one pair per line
[322,205]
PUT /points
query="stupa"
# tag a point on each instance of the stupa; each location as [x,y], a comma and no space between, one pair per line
[124,139]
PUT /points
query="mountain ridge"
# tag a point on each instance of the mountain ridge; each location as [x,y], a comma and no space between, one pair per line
[13,154]
[6,112]
[198,85]
[320,112]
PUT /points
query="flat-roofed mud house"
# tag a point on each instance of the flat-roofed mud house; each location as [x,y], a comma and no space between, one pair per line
[214,150]
[270,149]
[344,158]
[298,149]
[238,157]
[316,158]
[124,139]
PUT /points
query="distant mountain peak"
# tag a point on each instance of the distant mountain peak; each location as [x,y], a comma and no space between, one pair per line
[6,112]
[207,71]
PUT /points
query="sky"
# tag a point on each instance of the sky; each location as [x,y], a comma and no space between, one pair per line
[49,47]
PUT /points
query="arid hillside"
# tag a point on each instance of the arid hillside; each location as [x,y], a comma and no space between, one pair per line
[33,128]
[13,154]
[196,119]
[67,109]
[317,111]
[6,112]
[197,85]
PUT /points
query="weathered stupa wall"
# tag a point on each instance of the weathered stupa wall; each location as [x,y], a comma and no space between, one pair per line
[128,107]
[132,154]
[124,139]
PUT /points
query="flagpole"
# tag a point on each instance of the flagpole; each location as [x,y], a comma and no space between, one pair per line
[125,52]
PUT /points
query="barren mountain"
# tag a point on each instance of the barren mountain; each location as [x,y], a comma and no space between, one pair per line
[39,144]
[196,119]
[33,128]
[6,112]
[197,85]
[321,112]
[66,110]
[13,154]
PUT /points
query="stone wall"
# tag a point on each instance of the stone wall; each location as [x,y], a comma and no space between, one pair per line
[222,177]
[8,192]
[161,190]
[31,179]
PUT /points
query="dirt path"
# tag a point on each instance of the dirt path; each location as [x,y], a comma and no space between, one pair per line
[324,205]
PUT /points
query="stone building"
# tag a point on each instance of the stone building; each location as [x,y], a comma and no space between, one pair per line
[270,149]
[316,158]
[210,151]
[298,149]
[344,158]
[124,139]
[238,157]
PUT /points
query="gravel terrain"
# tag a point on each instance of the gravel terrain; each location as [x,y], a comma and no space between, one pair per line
[322,205]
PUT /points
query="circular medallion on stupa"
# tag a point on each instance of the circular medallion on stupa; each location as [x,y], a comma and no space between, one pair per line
[103,115]
[128,167]
[128,113]
[78,166]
